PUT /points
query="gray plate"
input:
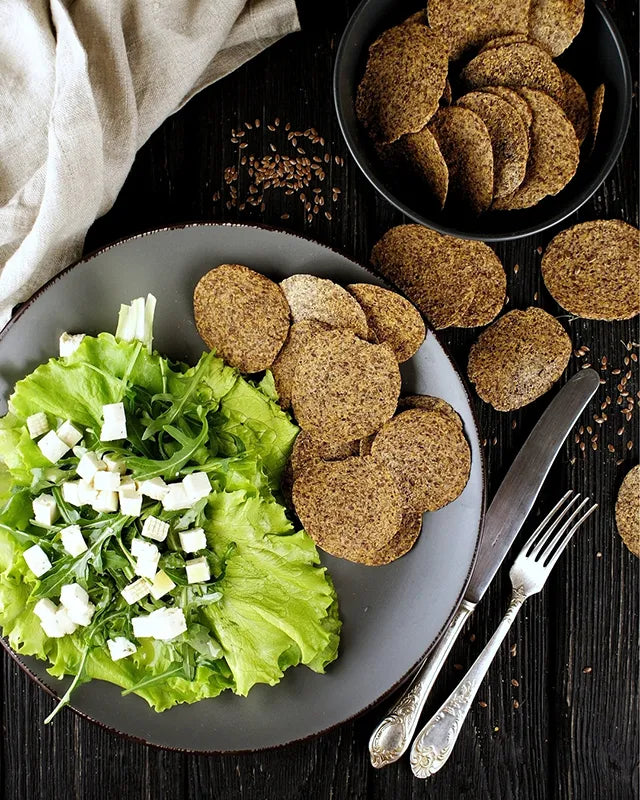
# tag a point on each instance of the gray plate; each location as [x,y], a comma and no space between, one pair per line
[391,614]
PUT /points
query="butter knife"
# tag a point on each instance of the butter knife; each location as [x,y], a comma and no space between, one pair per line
[504,518]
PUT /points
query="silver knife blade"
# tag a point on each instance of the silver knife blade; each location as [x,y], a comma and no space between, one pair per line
[519,489]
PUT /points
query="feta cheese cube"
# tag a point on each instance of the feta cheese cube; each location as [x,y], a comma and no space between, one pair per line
[193,540]
[52,447]
[79,450]
[155,488]
[176,498]
[197,485]
[69,343]
[142,549]
[45,509]
[198,570]
[161,584]
[126,481]
[89,465]
[73,540]
[105,481]
[37,424]
[115,423]
[136,591]
[76,603]
[71,493]
[164,624]
[64,622]
[155,528]
[147,567]
[45,609]
[142,626]
[106,502]
[114,463]
[54,621]
[130,502]
[86,493]
[120,647]
[69,434]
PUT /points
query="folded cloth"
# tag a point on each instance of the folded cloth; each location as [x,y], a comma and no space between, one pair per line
[82,86]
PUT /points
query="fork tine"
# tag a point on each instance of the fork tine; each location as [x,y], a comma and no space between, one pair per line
[541,530]
[567,538]
[558,528]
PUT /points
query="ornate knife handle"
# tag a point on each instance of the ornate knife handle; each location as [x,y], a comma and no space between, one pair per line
[392,736]
[435,742]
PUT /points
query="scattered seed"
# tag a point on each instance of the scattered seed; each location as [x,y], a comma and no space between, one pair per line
[598,554]
[611,448]
[514,649]
[587,670]
[328,215]
[458,667]
[514,682]
[516,268]
[629,445]
[514,425]
[516,704]
[482,704]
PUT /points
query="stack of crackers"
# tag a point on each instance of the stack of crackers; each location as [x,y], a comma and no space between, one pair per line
[465,99]
[364,468]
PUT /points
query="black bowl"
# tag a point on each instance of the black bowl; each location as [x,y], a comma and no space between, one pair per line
[596,56]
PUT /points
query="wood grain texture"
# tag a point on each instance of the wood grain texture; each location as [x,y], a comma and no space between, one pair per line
[575,733]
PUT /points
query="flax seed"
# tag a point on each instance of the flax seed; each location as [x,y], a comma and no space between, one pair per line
[516,268]
[514,682]
[482,704]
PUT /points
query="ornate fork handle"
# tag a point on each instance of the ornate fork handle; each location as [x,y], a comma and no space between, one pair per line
[435,742]
[393,735]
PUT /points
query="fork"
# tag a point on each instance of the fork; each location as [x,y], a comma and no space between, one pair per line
[435,742]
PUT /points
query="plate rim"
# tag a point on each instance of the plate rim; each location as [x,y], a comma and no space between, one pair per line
[483,503]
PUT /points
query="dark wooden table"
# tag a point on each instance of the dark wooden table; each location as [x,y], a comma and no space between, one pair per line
[558,713]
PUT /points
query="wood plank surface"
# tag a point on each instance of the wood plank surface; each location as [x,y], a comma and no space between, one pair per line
[573,653]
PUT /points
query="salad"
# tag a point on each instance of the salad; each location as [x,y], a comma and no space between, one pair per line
[143,539]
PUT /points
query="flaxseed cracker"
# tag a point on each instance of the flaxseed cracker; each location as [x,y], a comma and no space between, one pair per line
[555,23]
[241,315]
[391,317]
[344,388]
[467,24]
[429,403]
[284,367]
[435,271]
[490,286]
[307,451]
[419,155]
[403,82]
[501,41]
[597,104]
[515,65]
[402,542]
[428,456]
[351,509]
[518,358]
[553,156]
[576,105]
[518,102]
[509,139]
[465,144]
[593,269]
[310,297]
[628,510]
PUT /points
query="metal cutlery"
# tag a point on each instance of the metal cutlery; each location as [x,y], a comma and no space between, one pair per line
[504,518]
[435,742]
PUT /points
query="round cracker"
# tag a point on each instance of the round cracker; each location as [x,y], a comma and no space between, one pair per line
[429,403]
[447,94]
[403,82]
[307,451]
[592,269]
[351,508]
[419,154]
[241,315]
[576,105]
[518,358]
[509,139]
[501,41]
[435,271]
[284,367]
[597,104]
[519,103]
[465,25]
[392,318]
[515,65]
[490,287]
[553,156]
[628,510]
[428,456]
[555,23]
[364,445]
[402,542]
[310,297]
[344,388]
[465,144]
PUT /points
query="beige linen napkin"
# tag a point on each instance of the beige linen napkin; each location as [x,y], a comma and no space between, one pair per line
[83,84]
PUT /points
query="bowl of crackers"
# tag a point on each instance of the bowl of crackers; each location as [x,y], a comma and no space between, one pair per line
[485,119]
